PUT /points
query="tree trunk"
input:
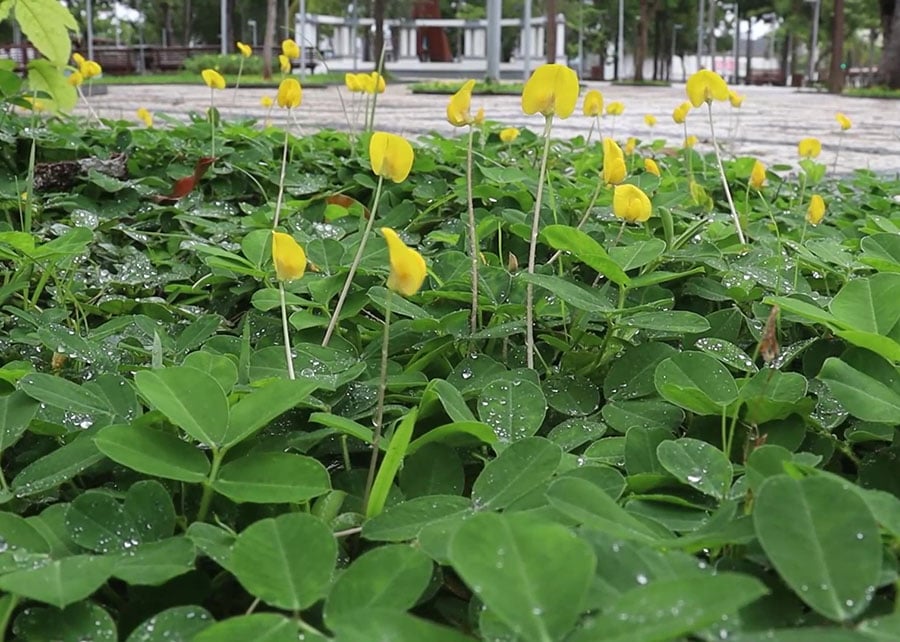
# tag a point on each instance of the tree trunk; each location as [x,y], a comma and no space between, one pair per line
[188,23]
[640,51]
[551,30]
[889,69]
[169,32]
[378,11]
[836,72]
[269,37]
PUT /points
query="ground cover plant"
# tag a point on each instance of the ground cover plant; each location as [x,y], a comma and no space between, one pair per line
[693,439]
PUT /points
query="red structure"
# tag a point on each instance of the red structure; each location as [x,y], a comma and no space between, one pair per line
[431,42]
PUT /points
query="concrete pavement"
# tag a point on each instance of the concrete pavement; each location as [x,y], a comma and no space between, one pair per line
[767,126]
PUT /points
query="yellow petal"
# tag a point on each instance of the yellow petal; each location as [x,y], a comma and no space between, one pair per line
[76,79]
[613,162]
[460,103]
[843,121]
[809,148]
[593,103]
[408,269]
[758,175]
[479,117]
[690,141]
[246,50]
[284,63]
[391,156]
[145,116]
[816,211]
[90,68]
[706,86]
[615,108]
[630,144]
[78,59]
[351,81]
[266,101]
[651,167]
[366,83]
[378,84]
[735,98]
[679,115]
[631,204]
[551,90]
[290,94]
[650,120]
[288,257]
[509,134]
[290,49]
[213,79]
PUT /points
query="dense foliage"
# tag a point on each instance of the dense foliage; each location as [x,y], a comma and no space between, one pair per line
[684,462]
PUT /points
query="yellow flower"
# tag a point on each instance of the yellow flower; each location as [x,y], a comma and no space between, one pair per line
[613,162]
[78,59]
[809,147]
[615,108]
[551,90]
[145,116]
[290,94]
[284,63]
[758,175]
[391,156]
[651,167]
[290,49]
[407,265]
[266,101]
[706,86]
[630,144]
[593,103]
[89,69]
[460,103]
[378,85]
[735,98]
[631,204]
[509,134]
[843,121]
[479,116]
[650,120]
[679,115]
[690,141]
[288,257]
[366,84]
[246,50]
[213,79]
[816,211]
[75,79]
[351,81]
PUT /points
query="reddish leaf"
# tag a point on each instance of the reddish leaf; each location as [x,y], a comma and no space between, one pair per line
[184,186]
[342,200]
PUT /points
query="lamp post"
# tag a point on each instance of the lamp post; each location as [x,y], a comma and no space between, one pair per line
[526,44]
[354,32]
[223,25]
[700,32]
[494,15]
[252,25]
[811,69]
[89,7]
[675,29]
[620,40]
[581,39]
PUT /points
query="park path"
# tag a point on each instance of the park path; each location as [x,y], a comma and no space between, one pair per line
[767,126]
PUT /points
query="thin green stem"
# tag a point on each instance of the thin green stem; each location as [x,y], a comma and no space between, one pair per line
[797,262]
[777,238]
[237,83]
[89,106]
[473,233]
[734,214]
[724,429]
[4,487]
[532,247]
[212,121]
[379,407]
[345,453]
[837,152]
[285,327]
[584,217]
[206,497]
[332,324]
[7,614]
[280,198]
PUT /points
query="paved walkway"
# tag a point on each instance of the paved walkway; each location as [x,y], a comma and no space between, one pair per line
[767,126]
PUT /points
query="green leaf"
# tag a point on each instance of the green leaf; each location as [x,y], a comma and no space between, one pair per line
[388,577]
[217,366]
[201,329]
[696,382]
[727,353]
[391,463]
[533,575]
[638,254]
[287,561]
[456,433]
[97,521]
[177,624]
[150,506]
[259,627]
[697,464]
[631,375]
[256,410]
[47,23]
[45,77]
[451,399]
[578,296]
[21,539]
[803,309]
[572,395]
[404,521]
[190,399]
[668,321]
[16,412]
[870,304]
[863,395]
[155,563]
[522,467]
[153,452]
[585,249]
[64,394]
[57,467]
[216,543]
[822,540]
[514,409]
[368,625]
[272,478]
[60,582]
[435,469]
[588,504]
[669,609]
[76,623]
[881,251]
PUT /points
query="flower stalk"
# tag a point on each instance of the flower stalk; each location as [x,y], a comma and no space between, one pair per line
[532,246]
